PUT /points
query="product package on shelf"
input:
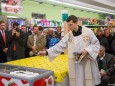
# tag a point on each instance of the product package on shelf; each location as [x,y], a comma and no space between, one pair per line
[46,22]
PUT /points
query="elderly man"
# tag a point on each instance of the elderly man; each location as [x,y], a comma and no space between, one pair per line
[51,39]
[106,66]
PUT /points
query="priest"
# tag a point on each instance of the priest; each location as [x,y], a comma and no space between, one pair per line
[83,48]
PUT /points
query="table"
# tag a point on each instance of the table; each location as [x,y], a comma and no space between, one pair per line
[59,65]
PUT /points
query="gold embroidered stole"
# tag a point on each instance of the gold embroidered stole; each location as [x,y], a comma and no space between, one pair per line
[88,73]
[71,60]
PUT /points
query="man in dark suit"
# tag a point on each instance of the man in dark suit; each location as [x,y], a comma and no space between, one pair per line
[106,65]
[109,37]
[102,40]
[16,40]
[24,30]
[3,42]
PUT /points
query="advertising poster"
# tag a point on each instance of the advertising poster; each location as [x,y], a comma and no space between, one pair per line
[19,21]
[11,6]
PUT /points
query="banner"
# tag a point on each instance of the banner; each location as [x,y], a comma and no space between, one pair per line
[11,6]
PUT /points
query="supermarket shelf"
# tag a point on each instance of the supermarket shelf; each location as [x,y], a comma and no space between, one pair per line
[49,26]
[95,26]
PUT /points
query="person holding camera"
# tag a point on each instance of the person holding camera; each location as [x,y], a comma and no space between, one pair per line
[16,42]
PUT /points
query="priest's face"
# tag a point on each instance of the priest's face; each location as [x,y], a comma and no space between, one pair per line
[72,25]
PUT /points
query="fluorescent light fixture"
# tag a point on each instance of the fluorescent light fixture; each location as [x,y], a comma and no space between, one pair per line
[73,5]
[12,17]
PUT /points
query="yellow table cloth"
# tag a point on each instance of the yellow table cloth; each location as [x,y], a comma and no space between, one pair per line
[59,65]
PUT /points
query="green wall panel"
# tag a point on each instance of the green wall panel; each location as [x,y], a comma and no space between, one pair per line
[52,12]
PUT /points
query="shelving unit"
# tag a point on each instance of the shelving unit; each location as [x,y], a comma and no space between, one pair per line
[96,26]
[49,26]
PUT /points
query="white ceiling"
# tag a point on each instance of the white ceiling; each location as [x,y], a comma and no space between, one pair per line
[107,2]
[102,5]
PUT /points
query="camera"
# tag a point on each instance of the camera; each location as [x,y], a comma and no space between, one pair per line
[18,30]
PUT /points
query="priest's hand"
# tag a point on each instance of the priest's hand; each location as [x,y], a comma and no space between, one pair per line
[42,53]
[84,52]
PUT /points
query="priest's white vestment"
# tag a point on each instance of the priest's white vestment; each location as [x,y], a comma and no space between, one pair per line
[78,46]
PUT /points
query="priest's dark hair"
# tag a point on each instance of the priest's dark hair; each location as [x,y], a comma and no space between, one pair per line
[72,18]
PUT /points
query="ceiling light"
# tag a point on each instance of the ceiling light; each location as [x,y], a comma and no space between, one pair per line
[73,5]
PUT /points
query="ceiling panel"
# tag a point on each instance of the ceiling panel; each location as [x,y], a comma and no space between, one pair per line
[109,4]
[90,5]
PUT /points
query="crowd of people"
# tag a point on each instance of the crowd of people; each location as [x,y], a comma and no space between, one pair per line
[22,42]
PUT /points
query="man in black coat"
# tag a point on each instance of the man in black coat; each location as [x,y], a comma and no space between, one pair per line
[102,40]
[16,40]
[24,30]
[106,66]
[3,42]
[109,38]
